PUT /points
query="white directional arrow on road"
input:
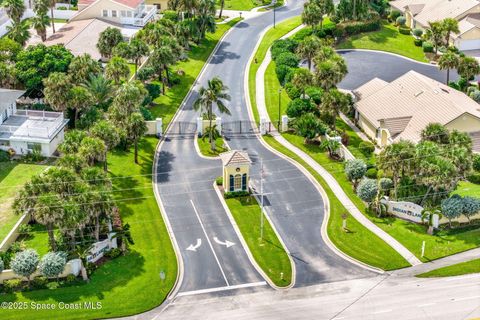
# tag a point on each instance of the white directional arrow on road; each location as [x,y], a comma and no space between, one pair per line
[227,243]
[195,247]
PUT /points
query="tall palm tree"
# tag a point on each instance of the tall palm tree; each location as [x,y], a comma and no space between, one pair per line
[52,7]
[307,49]
[80,100]
[160,59]
[436,33]
[82,67]
[136,130]
[449,60]
[40,24]
[106,131]
[116,69]
[57,88]
[14,9]
[468,67]
[100,89]
[450,26]
[334,102]
[214,93]
[330,72]
[19,32]
[302,79]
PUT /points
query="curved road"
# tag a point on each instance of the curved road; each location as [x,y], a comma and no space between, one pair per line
[196,215]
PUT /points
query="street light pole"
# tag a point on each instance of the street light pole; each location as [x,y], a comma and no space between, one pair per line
[279,107]
[274,6]
[261,206]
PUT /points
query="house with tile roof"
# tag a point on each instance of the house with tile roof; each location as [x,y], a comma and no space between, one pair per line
[399,110]
[125,12]
[236,170]
[467,12]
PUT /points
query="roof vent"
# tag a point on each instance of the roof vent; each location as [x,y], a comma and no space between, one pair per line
[418,93]
[445,90]
[436,91]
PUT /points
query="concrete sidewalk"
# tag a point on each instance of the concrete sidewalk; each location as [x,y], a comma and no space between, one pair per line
[331,181]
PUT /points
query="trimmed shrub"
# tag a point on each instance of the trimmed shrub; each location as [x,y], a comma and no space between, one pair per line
[367,148]
[418,42]
[367,190]
[452,207]
[371,173]
[70,278]
[25,263]
[1,265]
[427,46]
[40,282]
[476,162]
[283,46]
[236,194]
[52,265]
[394,14]
[385,184]
[315,94]
[147,115]
[474,178]
[113,253]
[288,59]
[475,95]
[302,34]
[404,30]
[282,71]
[417,32]
[170,15]
[345,29]
[4,156]
[292,91]
[11,285]
[355,170]
[296,108]
[400,21]
[219,181]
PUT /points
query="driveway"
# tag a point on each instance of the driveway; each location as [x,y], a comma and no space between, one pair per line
[363,66]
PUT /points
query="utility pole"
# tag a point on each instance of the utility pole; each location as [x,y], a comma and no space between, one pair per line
[261,194]
[274,6]
[279,107]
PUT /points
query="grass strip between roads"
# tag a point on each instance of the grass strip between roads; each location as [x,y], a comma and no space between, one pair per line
[269,253]
[358,242]
[128,284]
[468,267]
[206,150]
[270,36]
[166,105]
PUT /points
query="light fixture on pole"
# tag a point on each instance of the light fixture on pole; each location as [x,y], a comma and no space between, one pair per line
[279,107]
[261,195]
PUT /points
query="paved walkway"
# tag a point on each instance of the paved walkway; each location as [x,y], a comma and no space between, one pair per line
[359,132]
[331,181]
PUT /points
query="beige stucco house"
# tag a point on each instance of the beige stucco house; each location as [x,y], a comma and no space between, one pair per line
[161,5]
[419,12]
[126,12]
[236,170]
[401,109]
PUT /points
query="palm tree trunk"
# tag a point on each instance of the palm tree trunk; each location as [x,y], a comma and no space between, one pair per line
[97,228]
[51,237]
[52,18]
[167,73]
[136,151]
[448,76]
[309,61]
[222,3]
[105,164]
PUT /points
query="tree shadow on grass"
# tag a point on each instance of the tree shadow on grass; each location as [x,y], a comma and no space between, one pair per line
[112,275]
[383,35]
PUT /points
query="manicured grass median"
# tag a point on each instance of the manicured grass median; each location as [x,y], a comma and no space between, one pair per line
[244,5]
[466,188]
[386,39]
[468,267]
[359,242]
[13,176]
[165,106]
[128,284]
[269,253]
[270,36]
[205,147]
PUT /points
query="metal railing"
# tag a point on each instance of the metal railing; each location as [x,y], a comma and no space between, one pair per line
[145,16]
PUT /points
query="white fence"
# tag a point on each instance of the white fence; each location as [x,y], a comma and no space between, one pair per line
[14,232]
[72,267]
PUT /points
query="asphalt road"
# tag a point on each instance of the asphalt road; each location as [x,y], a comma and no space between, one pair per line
[363,66]
[194,211]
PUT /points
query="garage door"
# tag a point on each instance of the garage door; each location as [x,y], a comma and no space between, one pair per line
[468,44]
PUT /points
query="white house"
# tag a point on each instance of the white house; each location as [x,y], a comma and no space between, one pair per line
[399,110]
[467,12]
[27,130]
[127,12]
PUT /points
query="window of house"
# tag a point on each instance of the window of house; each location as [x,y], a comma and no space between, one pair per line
[159,6]
[129,14]
[238,182]
[33,146]
[114,13]
[123,13]
[104,13]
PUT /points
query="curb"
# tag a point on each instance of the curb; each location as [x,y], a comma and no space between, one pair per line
[390,53]
[197,148]
[304,171]
[247,249]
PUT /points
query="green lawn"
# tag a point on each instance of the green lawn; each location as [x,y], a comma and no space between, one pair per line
[165,106]
[37,239]
[411,235]
[272,85]
[354,142]
[386,39]
[269,253]
[458,269]
[129,284]
[466,188]
[13,176]
[245,5]
[206,150]
[268,39]
[359,242]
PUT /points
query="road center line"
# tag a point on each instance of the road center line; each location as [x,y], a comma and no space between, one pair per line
[382,311]
[466,298]
[426,305]
[209,243]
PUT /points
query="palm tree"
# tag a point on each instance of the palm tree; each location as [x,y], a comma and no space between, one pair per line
[334,102]
[205,19]
[40,24]
[106,131]
[116,69]
[214,93]
[450,26]
[136,130]
[80,99]
[330,72]
[222,4]
[307,49]
[160,59]
[92,149]
[82,68]
[302,79]
[14,9]
[311,15]
[100,89]
[436,34]
[211,131]
[19,32]
[449,60]
[468,67]
[139,50]
[52,6]
[57,90]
